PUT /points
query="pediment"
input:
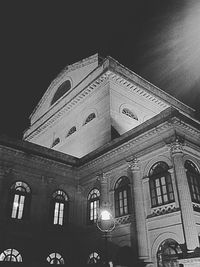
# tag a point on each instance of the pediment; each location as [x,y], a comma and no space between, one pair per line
[66,81]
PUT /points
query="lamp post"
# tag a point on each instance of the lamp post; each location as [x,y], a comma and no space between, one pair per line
[106,224]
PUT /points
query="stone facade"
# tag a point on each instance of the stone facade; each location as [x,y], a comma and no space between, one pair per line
[156,214]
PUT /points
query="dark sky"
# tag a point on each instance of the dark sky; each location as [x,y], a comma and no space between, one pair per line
[157,39]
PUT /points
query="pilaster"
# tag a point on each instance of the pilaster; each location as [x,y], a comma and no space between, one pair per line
[188,220]
[143,254]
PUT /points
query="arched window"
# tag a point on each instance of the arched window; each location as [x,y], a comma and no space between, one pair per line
[160,184]
[93,205]
[59,207]
[93,258]
[129,113]
[122,196]
[55,142]
[10,254]
[193,177]
[71,131]
[62,89]
[89,118]
[168,253]
[55,258]
[19,203]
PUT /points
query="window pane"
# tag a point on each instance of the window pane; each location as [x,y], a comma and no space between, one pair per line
[15,206]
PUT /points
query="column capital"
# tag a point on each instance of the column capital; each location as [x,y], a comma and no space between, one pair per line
[176,147]
[134,164]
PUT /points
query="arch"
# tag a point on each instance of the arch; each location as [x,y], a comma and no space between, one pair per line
[62,89]
[148,166]
[162,237]
[192,159]
[19,200]
[55,258]
[168,253]
[11,254]
[93,258]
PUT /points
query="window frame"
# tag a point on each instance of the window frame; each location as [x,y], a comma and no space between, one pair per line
[93,258]
[89,118]
[93,205]
[17,256]
[122,196]
[160,185]
[59,216]
[60,259]
[193,177]
[71,131]
[19,201]
[129,113]
[55,142]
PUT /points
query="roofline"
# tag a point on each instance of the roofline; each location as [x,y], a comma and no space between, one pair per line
[117,68]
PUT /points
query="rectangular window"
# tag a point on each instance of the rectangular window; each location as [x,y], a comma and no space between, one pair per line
[94,209]
[58,213]
[18,206]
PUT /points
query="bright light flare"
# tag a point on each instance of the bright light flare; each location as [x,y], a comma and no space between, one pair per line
[105,215]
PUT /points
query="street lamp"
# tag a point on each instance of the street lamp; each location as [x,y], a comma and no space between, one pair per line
[106,224]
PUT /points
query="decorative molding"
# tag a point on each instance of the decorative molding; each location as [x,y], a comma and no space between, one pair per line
[123,220]
[164,209]
[176,147]
[131,86]
[134,164]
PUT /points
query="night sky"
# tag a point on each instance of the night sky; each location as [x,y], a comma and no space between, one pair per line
[157,39]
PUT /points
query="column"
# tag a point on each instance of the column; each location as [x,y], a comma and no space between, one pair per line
[147,198]
[188,220]
[139,210]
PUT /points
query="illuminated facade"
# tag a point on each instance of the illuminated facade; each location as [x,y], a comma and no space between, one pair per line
[102,136]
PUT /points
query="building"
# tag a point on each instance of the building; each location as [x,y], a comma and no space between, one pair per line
[101,136]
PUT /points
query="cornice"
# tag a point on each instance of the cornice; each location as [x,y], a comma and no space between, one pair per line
[126,148]
[10,154]
[138,90]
